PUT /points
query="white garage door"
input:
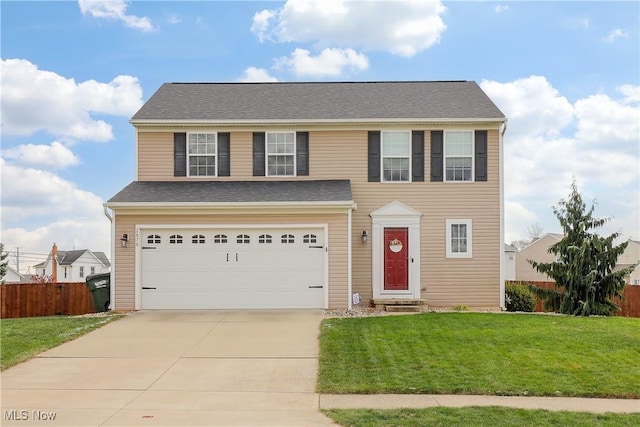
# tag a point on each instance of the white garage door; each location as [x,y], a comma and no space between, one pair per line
[232,268]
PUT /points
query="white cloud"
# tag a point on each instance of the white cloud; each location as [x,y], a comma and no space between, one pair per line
[54,156]
[549,141]
[173,19]
[533,106]
[115,9]
[59,211]
[253,74]
[614,35]
[330,62]
[500,8]
[402,28]
[34,99]
[605,121]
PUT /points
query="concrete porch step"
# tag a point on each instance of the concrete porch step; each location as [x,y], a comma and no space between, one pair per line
[385,304]
[396,308]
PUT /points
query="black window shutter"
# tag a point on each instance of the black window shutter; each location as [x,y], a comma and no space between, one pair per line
[302,153]
[437,143]
[417,155]
[258,154]
[481,155]
[374,156]
[224,154]
[179,154]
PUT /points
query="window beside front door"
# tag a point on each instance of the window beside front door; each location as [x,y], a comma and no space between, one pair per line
[459,238]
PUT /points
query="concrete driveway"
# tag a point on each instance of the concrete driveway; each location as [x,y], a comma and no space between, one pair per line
[170,368]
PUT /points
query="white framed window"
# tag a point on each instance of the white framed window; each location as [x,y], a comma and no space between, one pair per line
[65,272]
[396,156]
[458,155]
[81,272]
[201,154]
[93,270]
[281,153]
[459,240]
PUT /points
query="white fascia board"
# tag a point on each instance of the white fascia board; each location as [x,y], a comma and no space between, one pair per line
[232,208]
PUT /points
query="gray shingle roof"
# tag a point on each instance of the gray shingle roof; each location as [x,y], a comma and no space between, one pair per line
[318,101]
[234,191]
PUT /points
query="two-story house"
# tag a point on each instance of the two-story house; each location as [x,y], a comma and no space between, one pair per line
[301,195]
[72,266]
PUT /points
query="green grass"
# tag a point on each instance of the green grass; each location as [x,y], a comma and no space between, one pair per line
[481,353]
[476,416]
[21,339]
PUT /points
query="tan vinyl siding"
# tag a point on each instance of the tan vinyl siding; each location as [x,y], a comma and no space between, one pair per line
[536,251]
[337,230]
[342,154]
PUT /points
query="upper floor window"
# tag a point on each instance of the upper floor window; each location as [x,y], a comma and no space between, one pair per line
[281,153]
[458,155]
[201,154]
[81,272]
[458,234]
[396,156]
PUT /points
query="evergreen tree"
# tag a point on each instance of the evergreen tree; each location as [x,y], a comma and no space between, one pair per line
[4,262]
[586,282]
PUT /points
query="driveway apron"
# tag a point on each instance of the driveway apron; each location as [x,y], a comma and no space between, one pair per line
[175,368]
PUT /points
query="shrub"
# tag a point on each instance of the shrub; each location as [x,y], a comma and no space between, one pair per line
[518,297]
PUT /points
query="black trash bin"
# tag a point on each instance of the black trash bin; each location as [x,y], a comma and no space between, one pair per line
[100,287]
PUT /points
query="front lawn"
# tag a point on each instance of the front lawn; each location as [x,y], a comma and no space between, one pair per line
[476,416]
[481,353]
[23,338]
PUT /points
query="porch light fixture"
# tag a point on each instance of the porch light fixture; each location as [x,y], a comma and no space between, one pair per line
[364,236]
[124,239]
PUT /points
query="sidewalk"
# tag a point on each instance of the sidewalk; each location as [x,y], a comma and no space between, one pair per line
[391,401]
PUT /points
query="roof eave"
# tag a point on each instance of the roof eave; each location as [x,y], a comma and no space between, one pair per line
[347,204]
[244,122]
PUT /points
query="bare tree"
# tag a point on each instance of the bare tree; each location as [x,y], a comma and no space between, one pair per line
[534,232]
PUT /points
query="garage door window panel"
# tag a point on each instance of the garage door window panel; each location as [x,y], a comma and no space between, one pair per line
[243,239]
[220,238]
[287,238]
[309,238]
[175,239]
[153,239]
[198,239]
[201,154]
[265,238]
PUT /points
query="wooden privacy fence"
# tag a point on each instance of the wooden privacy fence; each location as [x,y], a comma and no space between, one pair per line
[630,307]
[44,299]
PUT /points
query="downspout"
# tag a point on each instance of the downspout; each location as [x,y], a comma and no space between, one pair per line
[112,275]
[502,235]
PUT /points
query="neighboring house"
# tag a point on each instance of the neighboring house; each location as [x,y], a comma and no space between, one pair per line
[72,266]
[510,254]
[13,276]
[631,257]
[301,195]
[537,250]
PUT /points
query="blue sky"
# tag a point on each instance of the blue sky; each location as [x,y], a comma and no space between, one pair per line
[566,74]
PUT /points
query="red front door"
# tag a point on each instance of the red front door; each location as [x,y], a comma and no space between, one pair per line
[396,259]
